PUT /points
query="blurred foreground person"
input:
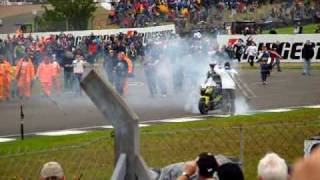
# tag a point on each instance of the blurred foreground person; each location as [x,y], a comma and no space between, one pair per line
[308,168]
[4,79]
[24,75]
[272,167]
[52,171]
[45,75]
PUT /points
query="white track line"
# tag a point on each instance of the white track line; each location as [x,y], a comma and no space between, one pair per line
[61,133]
[6,140]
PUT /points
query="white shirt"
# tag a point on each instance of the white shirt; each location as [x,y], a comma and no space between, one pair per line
[226,77]
[252,50]
[78,66]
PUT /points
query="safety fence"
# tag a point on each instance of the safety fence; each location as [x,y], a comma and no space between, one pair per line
[93,157]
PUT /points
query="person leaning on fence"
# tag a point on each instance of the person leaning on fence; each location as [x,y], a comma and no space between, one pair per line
[272,167]
[205,163]
[205,166]
[52,171]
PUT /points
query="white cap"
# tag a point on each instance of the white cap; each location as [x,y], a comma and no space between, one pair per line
[52,169]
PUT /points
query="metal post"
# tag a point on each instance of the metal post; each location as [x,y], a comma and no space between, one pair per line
[21,122]
[241,147]
[124,120]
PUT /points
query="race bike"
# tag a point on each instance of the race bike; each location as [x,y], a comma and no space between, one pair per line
[211,97]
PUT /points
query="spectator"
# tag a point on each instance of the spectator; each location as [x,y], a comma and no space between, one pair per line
[206,164]
[252,52]
[52,171]
[239,49]
[307,54]
[56,75]
[78,70]
[264,65]
[276,55]
[272,167]
[68,70]
[4,79]
[123,69]
[24,75]
[45,75]
[273,31]
[176,170]
[230,171]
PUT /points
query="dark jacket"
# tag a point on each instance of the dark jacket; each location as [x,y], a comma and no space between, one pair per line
[307,51]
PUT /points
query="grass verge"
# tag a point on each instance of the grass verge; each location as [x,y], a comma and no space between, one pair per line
[91,154]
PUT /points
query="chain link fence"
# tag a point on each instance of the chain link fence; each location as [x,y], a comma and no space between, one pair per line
[94,158]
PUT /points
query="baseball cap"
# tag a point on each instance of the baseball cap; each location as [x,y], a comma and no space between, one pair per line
[52,169]
[207,164]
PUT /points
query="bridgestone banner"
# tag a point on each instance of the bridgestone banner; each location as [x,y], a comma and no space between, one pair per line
[291,45]
[150,33]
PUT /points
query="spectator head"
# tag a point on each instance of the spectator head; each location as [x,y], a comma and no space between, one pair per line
[272,167]
[308,168]
[230,171]
[52,171]
[207,165]
[308,42]
[120,55]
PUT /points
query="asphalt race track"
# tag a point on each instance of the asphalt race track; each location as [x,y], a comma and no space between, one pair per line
[286,89]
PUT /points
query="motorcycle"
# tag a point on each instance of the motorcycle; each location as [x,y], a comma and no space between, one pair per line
[211,97]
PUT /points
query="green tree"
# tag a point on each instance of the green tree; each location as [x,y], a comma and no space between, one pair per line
[67,14]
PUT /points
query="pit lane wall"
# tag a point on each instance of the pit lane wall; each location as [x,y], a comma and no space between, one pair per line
[149,33]
[291,45]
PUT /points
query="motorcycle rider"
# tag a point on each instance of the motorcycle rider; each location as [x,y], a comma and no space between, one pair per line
[217,80]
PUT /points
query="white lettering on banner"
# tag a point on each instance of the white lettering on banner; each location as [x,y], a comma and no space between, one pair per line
[290,45]
[148,32]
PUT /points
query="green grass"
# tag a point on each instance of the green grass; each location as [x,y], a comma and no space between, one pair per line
[307,29]
[91,154]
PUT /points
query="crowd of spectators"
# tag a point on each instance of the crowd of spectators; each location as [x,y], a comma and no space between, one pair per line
[143,12]
[63,50]
[148,12]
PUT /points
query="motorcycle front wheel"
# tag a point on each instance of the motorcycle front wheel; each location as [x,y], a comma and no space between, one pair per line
[203,108]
